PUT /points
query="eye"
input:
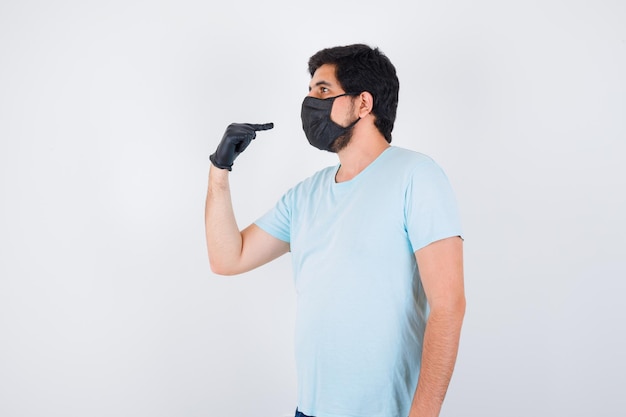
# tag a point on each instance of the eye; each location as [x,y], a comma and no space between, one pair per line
[324,90]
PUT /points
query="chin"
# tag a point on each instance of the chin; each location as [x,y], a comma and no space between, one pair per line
[341,142]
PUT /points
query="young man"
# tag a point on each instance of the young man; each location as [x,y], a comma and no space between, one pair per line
[376,247]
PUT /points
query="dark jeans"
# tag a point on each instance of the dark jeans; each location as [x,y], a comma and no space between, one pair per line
[299,414]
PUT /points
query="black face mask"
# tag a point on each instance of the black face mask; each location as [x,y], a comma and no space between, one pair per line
[318,127]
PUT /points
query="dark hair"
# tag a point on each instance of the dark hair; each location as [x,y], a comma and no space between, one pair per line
[361,68]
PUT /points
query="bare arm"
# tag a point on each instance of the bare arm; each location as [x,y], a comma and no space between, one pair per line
[441,270]
[231,251]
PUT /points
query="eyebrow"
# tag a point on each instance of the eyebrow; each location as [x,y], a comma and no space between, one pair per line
[322,82]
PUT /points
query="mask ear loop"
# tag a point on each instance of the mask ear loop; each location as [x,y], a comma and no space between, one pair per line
[351,125]
[341,95]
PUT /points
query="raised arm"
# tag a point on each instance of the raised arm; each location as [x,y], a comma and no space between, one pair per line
[230,250]
[441,270]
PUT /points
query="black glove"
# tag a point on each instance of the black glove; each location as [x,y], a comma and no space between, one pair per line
[235,140]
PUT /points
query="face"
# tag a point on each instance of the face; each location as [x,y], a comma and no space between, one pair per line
[324,85]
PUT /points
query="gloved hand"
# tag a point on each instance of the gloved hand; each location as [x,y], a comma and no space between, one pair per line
[235,140]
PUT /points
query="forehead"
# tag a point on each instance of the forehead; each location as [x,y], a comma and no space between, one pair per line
[325,75]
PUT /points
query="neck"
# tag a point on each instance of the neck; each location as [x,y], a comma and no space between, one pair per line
[360,152]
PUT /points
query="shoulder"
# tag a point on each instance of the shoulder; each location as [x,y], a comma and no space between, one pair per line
[410,164]
[410,157]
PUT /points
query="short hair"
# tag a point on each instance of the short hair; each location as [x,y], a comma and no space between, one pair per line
[359,68]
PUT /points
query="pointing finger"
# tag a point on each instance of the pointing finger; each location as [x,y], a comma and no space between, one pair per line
[258,127]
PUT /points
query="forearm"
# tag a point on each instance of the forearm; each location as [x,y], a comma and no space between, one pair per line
[223,237]
[441,342]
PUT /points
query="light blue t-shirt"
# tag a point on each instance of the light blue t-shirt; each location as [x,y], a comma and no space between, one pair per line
[361,308]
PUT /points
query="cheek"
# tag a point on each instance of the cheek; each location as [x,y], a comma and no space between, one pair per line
[340,113]
[335,114]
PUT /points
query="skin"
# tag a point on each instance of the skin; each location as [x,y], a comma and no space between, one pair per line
[232,251]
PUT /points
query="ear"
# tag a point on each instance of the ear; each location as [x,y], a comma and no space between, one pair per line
[367,104]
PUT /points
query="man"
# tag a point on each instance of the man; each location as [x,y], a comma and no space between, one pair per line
[376,247]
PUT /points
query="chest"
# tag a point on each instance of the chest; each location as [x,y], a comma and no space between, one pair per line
[360,218]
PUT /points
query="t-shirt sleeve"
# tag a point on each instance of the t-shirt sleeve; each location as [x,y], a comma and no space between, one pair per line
[431,211]
[277,221]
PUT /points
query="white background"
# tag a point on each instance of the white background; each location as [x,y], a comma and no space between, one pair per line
[109,110]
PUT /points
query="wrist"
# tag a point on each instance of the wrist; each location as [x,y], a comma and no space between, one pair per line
[219,164]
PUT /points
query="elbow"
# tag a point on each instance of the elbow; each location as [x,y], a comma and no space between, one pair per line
[222,268]
[218,269]
[453,309]
[457,306]
[460,308]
